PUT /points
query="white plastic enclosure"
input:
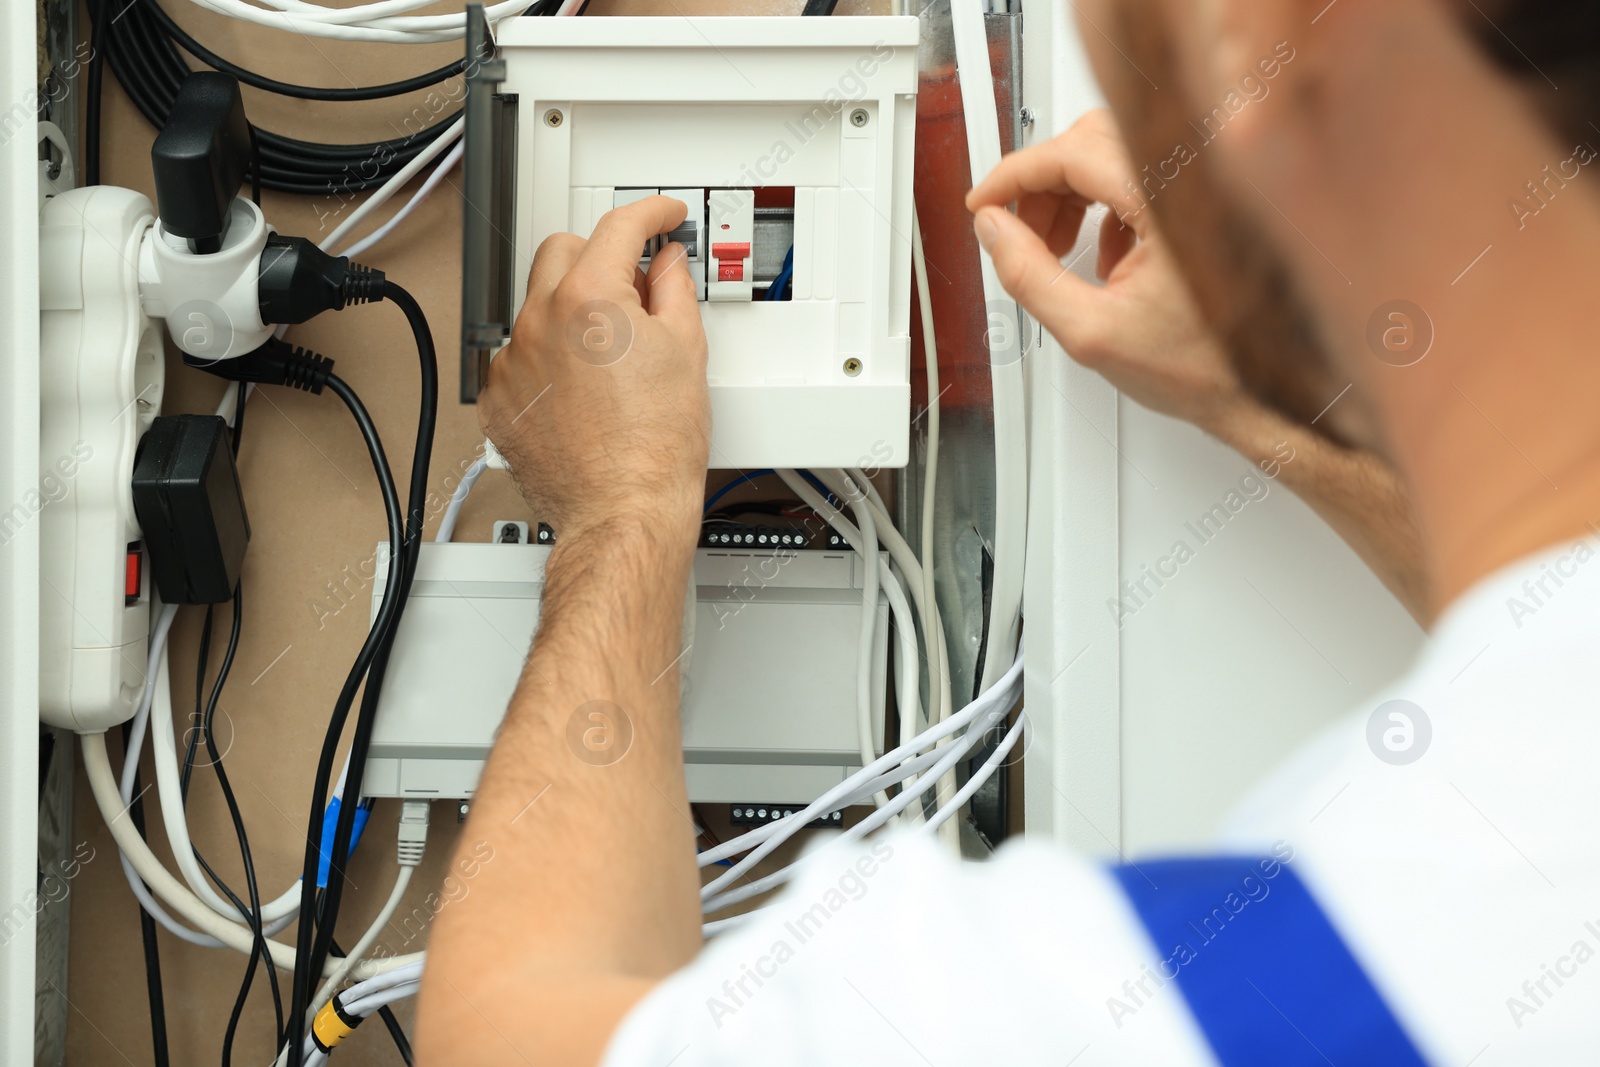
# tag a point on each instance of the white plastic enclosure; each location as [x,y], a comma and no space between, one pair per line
[820,109]
[748,735]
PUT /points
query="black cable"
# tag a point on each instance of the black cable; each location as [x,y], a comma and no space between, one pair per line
[298,92]
[251,911]
[255,171]
[310,898]
[238,416]
[91,110]
[392,1024]
[147,934]
[151,71]
[150,68]
[313,940]
[820,7]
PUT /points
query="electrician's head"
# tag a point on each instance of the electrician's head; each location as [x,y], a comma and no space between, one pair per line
[1328,170]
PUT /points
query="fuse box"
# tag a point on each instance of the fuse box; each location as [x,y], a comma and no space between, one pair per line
[793,152]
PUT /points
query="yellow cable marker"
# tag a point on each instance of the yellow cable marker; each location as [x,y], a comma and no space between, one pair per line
[331,1026]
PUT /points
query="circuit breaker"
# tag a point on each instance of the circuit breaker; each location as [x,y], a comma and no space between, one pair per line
[792,148]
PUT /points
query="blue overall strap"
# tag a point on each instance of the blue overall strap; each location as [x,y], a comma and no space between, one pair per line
[1264,973]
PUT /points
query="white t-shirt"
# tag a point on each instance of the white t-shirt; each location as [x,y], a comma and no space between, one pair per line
[1455,851]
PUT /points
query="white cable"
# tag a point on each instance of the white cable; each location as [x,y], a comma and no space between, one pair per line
[773,834]
[907,695]
[382,193]
[930,476]
[368,996]
[862,507]
[359,951]
[990,765]
[363,1008]
[939,710]
[103,784]
[433,180]
[164,755]
[714,896]
[130,764]
[830,800]
[452,512]
[383,21]
[898,550]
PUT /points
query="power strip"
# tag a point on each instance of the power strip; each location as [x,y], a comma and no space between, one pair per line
[769,703]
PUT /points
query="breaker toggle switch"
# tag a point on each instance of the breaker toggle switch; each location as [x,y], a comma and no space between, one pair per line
[731,259]
[731,230]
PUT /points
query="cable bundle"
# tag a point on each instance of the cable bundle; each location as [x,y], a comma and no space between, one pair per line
[141,42]
[377,20]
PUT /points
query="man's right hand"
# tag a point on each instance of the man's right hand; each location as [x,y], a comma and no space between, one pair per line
[1141,330]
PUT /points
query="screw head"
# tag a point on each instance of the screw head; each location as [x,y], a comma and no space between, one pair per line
[852,366]
[552,117]
[858,117]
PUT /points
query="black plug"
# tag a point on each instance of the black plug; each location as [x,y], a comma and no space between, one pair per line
[199,159]
[299,280]
[274,363]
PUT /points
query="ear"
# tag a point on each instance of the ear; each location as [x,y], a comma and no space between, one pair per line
[1249,48]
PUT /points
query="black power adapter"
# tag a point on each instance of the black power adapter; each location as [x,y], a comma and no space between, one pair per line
[186,494]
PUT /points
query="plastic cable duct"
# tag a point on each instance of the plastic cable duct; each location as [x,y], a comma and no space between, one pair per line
[1005,355]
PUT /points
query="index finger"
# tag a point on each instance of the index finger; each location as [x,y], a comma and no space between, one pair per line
[612,254]
[1083,166]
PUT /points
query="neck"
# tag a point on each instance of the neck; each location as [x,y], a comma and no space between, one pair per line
[1422,166]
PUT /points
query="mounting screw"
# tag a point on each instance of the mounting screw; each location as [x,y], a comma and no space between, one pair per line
[552,118]
[1026,115]
[852,366]
[858,117]
[461,812]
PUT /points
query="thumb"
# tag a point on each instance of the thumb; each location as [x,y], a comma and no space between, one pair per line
[672,291]
[1030,272]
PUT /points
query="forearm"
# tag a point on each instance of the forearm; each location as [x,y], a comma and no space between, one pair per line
[592,891]
[1354,491]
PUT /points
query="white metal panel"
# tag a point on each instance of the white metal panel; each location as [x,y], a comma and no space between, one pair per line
[1144,736]
[1073,777]
[19,554]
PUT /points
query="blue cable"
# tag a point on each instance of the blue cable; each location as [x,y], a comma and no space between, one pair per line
[746,479]
[785,276]
[330,819]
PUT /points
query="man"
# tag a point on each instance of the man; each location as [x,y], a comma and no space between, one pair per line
[1399,244]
